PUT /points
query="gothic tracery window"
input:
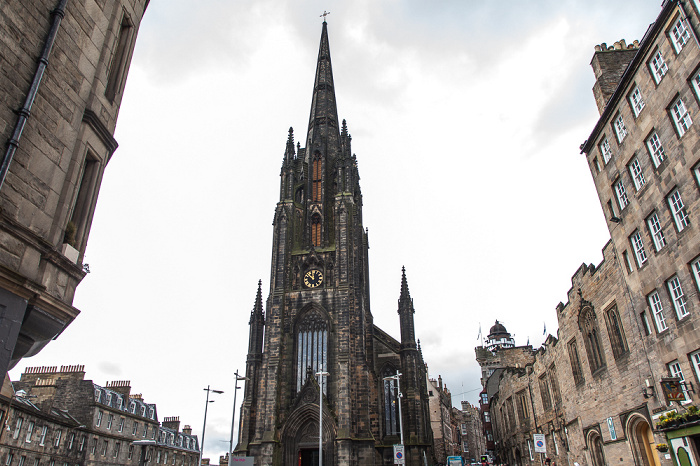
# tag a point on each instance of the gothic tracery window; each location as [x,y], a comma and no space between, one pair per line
[616,332]
[312,347]
[391,408]
[591,336]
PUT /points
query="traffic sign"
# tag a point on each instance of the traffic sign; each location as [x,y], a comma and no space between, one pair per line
[540,445]
[399,455]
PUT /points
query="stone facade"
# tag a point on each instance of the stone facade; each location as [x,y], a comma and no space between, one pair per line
[472,433]
[316,338]
[58,417]
[629,326]
[647,177]
[69,63]
[440,400]
[584,389]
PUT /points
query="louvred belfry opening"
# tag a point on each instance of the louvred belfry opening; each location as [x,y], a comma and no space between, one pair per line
[316,179]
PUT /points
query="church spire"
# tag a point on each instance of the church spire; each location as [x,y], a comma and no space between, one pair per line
[257,322]
[323,130]
[406,311]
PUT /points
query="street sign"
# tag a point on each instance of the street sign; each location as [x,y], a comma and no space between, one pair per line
[399,457]
[611,428]
[540,445]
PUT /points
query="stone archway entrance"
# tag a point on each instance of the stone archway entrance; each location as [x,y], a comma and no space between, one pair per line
[299,437]
[642,442]
[595,446]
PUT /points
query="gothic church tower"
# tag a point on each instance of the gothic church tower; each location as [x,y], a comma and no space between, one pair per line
[318,315]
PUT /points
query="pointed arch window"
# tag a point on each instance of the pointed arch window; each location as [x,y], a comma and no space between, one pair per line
[616,332]
[316,180]
[391,408]
[591,335]
[316,230]
[312,347]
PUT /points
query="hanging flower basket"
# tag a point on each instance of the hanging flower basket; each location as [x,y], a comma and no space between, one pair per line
[662,447]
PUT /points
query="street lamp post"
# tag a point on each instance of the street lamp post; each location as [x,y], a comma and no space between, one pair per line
[233,418]
[320,376]
[204,427]
[398,389]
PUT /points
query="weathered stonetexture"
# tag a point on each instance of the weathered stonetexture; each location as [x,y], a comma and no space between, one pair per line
[55,174]
[319,292]
[594,390]
[609,63]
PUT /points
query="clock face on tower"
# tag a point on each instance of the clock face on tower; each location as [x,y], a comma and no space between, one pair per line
[313,278]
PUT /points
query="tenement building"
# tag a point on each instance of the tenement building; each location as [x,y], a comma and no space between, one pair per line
[69,63]
[618,382]
[56,417]
[471,429]
[316,338]
[440,402]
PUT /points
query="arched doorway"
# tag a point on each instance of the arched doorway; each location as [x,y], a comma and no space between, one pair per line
[642,441]
[300,434]
[595,446]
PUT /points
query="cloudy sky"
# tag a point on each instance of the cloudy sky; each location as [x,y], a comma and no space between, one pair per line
[466,120]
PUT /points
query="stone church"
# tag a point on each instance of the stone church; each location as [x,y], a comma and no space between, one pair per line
[317,319]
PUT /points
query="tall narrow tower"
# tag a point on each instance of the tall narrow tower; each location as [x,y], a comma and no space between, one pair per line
[318,315]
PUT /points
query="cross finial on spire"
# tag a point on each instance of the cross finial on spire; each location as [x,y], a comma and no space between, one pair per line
[325,13]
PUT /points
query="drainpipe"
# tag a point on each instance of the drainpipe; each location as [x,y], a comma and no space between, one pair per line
[12,145]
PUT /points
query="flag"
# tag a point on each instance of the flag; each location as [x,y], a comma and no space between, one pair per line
[545,329]
[528,341]
[479,335]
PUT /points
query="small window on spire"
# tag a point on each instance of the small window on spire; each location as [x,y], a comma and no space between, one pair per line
[316,179]
[316,230]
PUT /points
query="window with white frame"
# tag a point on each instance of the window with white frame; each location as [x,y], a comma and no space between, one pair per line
[18,427]
[605,150]
[620,128]
[658,67]
[695,360]
[44,431]
[695,267]
[636,101]
[677,297]
[695,82]
[657,311]
[110,418]
[679,35]
[99,418]
[657,233]
[628,262]
[645,323]
[121,424]
[681,117]
[656,150]
[30,431]
[674,370]
[638,247]
[696,172]
[680,215]
[637,176]
[621,195]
